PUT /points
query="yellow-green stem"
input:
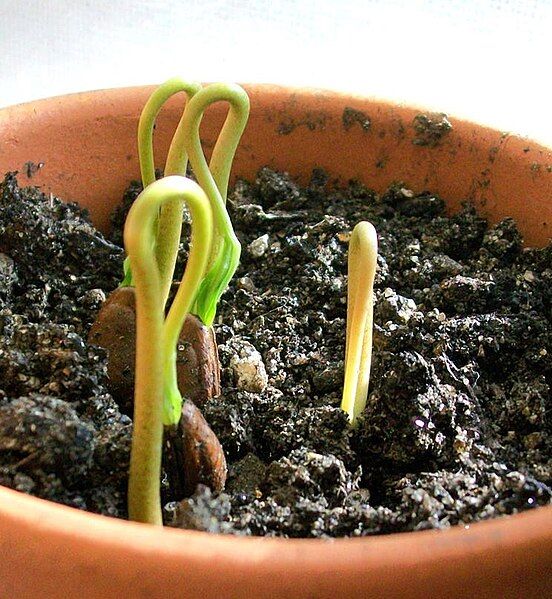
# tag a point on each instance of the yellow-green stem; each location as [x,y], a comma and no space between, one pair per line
[169,225]
[226,145]
[155,341]
[180,308]
[363,252]
[213,179]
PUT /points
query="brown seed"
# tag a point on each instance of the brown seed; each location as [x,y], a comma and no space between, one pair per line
[197,367]
[197,363]
[115,331]
[196,453]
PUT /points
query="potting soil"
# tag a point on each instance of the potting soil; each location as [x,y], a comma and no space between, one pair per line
[457,426]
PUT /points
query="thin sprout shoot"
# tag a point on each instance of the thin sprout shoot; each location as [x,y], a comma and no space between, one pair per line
[225,254]
[224,258]
[363,252]
[169,224]
[157,399]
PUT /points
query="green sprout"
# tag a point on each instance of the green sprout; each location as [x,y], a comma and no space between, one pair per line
[363,253]
[157,398]
[169,225]
[152,237]
[214,178]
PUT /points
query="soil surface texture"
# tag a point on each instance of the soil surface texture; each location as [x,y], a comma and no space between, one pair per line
[457,426]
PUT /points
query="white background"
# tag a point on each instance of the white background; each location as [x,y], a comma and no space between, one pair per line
[489,60]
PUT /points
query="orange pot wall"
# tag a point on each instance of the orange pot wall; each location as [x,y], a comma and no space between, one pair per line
[87,144]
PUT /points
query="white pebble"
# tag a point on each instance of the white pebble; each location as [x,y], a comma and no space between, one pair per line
[248,368]
[258,246]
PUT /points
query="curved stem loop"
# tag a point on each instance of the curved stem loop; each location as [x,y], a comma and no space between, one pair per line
[214,179]
[169,224]
[177,159]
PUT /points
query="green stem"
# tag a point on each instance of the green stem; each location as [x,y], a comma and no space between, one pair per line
[225,148]
[180,308]
[214,179]
[169,225]
[363,253]
[155,340]
[179,159]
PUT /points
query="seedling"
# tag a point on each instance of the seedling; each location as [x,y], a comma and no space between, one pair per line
[170,219]
[169,225]
[157,399]
[225,255]
[213,178]
[152,235]
[363,252]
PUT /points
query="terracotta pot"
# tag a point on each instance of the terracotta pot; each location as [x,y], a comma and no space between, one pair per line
[87,144]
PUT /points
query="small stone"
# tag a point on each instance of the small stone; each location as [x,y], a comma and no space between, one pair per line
[337,284]
[245,283]
[203,511]
[299,360]
[93,298]
[6,264]
[258,247]
[344,237]
[23,483]
[529,276]
[395,308]
[248,369]
[516,479]
[445,267]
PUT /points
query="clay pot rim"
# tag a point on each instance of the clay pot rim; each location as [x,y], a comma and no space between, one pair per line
[277,89]
[370,554]
[519,529]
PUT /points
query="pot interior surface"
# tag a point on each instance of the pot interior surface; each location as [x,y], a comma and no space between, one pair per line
[86,144]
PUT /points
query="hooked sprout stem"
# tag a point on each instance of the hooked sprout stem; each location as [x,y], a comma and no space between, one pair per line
[225,254]
[155,336]
[231,132]
[363,253]
[169,224]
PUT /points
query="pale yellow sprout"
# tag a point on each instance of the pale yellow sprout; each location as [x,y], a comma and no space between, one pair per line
[363,253]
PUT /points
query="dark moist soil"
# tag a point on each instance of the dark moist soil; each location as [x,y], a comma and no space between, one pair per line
[457,426]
